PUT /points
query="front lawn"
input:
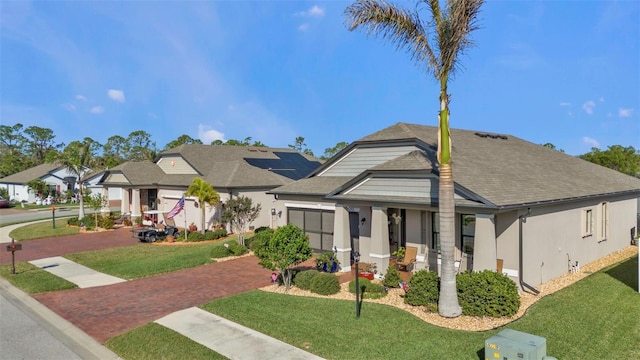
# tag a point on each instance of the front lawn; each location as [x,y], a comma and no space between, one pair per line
[43,229]
[32,280]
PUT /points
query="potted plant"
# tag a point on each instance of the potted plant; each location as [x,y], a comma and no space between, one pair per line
[327,262]
[193,227]
[367,270]
[397,255]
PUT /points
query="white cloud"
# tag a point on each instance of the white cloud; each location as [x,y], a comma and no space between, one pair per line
[97,110]
[601,99]
[81,98]
[565,104]
[591,142]
[69,107]
[588,106]
[303,27]
[116,95]
[314,11]
[622,112]
[207,134]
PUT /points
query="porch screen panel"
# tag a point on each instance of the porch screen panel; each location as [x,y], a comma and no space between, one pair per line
[296,217]
[327,222]
[313,221]
[468,233]
[327,241]
[315,240]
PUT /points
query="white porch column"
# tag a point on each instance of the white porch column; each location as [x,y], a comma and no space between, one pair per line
[379,251]
[105,194]
[135,203]
[342,236]
[485,250]
[125,202]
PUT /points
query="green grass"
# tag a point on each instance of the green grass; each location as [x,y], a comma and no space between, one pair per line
[33,280]
[43,230]
[153,341]
[142,260]
[596,318]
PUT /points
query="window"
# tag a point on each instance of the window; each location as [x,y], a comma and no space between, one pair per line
[317,224]
[587,223]
[468,233]
[604,221]
[435,233]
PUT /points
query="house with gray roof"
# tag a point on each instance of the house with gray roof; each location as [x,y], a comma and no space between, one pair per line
[232,170]
[528,211]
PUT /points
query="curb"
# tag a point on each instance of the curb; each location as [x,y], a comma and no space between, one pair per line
[75,339]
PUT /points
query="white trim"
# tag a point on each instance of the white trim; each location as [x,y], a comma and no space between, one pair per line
[356,186]
[510,272]
[421,258]
[343,250]
[380,256]
[309,206]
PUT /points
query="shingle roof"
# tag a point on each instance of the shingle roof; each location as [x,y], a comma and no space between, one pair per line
[503,169]
[225,167]
[35,172]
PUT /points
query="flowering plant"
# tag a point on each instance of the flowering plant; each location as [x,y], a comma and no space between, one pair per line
[364,267]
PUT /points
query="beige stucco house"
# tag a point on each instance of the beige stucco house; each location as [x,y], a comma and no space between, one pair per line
[232,170]
[537,212]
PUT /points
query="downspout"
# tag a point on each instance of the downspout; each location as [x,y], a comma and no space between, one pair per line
[521,221]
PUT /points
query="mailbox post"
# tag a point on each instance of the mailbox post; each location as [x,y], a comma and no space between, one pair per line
[13,247]
[53,215]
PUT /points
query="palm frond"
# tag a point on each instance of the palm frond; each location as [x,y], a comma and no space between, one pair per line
[400,26]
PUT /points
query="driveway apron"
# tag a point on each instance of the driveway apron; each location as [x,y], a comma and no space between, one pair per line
[106,311]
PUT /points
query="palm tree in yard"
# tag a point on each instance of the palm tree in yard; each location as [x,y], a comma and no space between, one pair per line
[437,45]
[78,158]
[206,194]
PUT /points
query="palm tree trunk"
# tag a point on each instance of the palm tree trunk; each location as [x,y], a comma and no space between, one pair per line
[81,210]
[448,305]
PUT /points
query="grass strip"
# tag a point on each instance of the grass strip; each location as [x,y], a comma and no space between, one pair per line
[153,341]
[42,230]
[33,280]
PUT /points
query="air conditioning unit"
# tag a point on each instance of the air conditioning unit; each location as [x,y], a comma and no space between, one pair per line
[515,345]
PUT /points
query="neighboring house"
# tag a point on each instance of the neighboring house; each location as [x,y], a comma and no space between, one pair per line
[231,170]
[535,212]
[56,177]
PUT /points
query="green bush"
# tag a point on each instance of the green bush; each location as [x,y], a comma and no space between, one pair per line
[236,249]
[303,279]
[194,237]
[106,222]
[261,229]
[423,289]
[220,251]
[260,238]
[368,289]
[392,277]
[325,284]
[487,293]
[219,233]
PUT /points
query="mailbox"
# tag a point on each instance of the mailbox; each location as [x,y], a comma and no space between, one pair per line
[14,247]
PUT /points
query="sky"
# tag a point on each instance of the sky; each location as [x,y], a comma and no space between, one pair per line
[561,72]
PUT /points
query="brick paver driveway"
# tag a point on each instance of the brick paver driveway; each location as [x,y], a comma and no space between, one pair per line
[106,311]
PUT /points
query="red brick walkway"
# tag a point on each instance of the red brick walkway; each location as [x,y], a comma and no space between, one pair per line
[61,245]
[106,311]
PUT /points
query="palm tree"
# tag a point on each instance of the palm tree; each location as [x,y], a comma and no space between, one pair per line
[450,28]
[205,194]
[79,157]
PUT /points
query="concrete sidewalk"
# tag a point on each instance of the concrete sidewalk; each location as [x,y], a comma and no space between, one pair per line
[78,274]
[228,338]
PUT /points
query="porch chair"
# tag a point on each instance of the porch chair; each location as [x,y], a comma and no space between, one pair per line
[409,259]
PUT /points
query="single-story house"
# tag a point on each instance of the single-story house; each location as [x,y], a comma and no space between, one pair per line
[530,211]
[57,178]
[231,170]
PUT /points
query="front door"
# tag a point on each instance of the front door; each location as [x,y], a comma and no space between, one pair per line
[397,228]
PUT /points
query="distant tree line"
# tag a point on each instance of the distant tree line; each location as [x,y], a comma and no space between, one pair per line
[22,148]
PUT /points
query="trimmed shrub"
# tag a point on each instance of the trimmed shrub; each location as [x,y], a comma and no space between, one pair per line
[423,288]
[106,222]
[487,293]
[219,233]
[220,251]
[392,277]
[236,249]
[303,279]
[194,237]
[261,229]
[260,239]
[368,289]
[325,284]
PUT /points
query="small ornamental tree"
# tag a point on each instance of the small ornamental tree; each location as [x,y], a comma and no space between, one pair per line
[239,213]
[97,202]
[287,247]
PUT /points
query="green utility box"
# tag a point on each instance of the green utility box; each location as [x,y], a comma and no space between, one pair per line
[515,345]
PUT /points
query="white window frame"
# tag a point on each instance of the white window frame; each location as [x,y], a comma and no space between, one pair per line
[587,223]
[604,221]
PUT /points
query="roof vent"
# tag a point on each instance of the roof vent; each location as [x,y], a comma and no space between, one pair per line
[491,136]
